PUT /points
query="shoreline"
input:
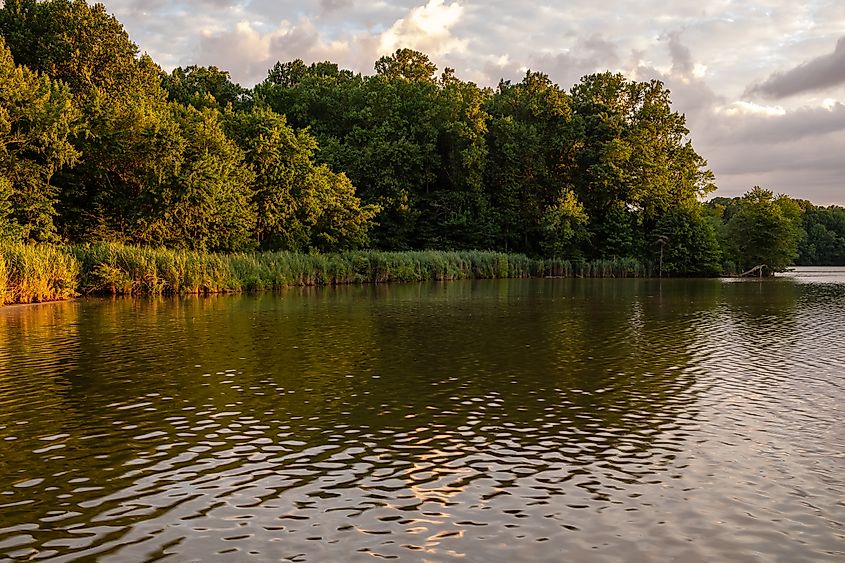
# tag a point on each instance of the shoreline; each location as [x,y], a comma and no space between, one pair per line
[45,273]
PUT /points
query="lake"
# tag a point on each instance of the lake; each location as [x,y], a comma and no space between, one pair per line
[511,420]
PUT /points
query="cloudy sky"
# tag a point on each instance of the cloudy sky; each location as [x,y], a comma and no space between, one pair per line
[762,82]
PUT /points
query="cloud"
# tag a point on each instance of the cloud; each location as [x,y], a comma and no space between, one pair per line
[750,108]
[682,63]
[248,49]
[426,28]
[816,74]
[327,6]
[248,53]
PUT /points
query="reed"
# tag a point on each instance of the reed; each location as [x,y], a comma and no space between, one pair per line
[3,278]
[30,273]
[36,273]
[118,269]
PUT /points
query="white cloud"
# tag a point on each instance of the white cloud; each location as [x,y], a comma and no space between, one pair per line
[427,29]
[750,108]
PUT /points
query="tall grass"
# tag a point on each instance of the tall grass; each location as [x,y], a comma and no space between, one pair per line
[41,273]
[608,268]
[35,273]
[133,270]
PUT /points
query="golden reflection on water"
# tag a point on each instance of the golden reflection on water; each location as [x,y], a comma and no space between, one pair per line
[520,419]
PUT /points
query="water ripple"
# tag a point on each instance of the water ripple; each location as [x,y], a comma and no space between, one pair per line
[532,420]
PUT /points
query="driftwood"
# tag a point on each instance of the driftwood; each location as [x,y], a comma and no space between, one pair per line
[759,269]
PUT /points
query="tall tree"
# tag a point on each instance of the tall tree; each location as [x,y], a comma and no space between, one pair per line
[130,141]
[207,204]
[531,144]
[688,243]
[634,161]
[204,86]
[299,205]
[36,118]
[457,207]
[765,230]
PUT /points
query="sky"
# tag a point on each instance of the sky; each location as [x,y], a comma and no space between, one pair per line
[761,82]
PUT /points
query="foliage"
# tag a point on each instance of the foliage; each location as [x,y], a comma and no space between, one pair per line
[208,205]
[97,144]
[299,205]
[634,161]
[204,87]
[531,144]
[765,230]
[36,118]
[565,225]
[688,243]
[824,244]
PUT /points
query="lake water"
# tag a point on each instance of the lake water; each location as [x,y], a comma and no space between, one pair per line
[514,420]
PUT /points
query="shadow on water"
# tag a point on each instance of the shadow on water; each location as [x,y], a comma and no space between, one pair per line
[539,416]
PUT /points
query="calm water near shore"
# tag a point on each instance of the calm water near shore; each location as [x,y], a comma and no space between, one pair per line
[512,420]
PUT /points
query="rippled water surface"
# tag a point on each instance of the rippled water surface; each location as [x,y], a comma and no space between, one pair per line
[516,420]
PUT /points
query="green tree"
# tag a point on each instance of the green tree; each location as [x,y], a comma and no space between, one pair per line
[412,144]
[765,230]
[406,64]
[299,205]
[201,87]
[687,241]
[207,204]
[564,224]
[531,146]
[634,160]
[81,45]
[824,244]
[456,207]
[36,118]
[129,140]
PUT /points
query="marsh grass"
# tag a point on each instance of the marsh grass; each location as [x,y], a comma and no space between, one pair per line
[36,273]
[117,269]
[41,273]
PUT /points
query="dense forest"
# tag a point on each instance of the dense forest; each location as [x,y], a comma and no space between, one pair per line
[99,144]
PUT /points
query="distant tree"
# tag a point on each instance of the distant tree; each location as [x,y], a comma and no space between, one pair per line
[688,241]
[824,244]
[406,64]
[765,230]
[287,75]
[204,86]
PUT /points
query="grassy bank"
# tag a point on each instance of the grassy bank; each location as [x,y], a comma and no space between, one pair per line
[46,273]
[31,274]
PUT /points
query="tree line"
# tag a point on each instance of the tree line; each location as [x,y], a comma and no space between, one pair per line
[97,143]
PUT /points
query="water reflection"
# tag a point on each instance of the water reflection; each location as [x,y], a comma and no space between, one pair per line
[536,419]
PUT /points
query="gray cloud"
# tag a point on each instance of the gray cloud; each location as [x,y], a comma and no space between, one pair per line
[328,6]
[682,62]
[586,56]
[816,74]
